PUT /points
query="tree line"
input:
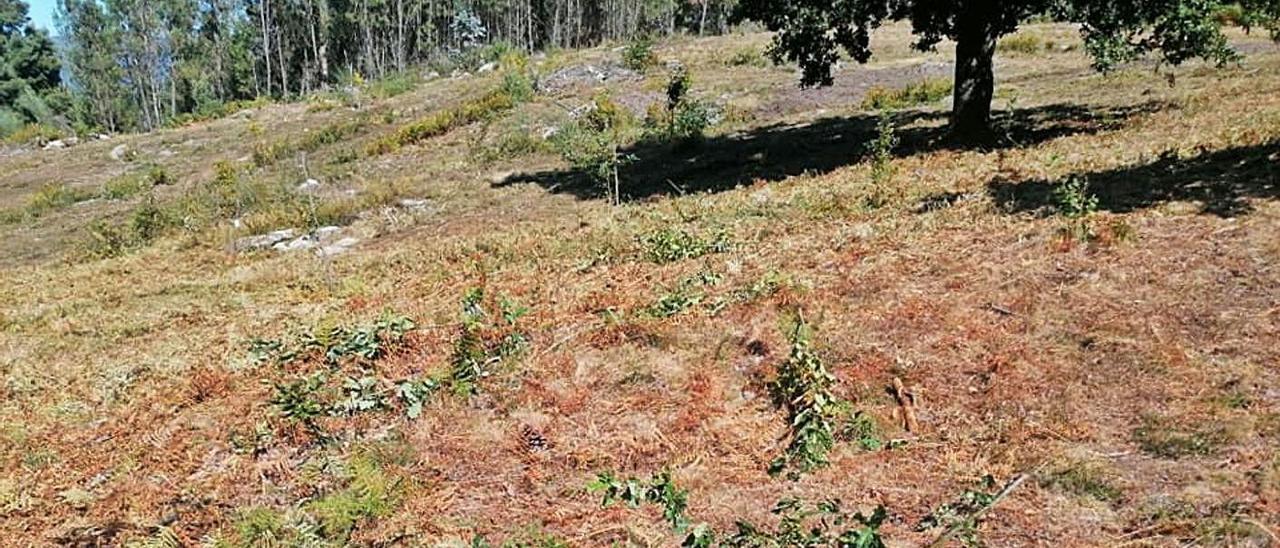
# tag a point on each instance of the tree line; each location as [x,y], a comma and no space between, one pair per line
[139,64]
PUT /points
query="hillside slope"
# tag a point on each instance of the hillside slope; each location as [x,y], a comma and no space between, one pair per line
[187,388]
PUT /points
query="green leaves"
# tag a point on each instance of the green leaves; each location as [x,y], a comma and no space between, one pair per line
[659,490]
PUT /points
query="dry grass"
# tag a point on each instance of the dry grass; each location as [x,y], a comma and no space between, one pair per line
[1135,376]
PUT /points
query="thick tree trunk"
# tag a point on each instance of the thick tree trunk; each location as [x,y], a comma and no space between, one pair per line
[974,79]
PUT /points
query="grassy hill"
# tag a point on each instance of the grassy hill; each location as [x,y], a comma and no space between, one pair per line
[1086,314]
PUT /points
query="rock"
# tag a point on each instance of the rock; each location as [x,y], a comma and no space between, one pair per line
[167,153]
[71,141]
[309,185]
[413,204]
[119,152]
[102,137]
[262,241]
[296,244]
[431,75]
[56,144]
[338,247]
[863,231]
[500,177]
[487,67]
[549,132]
[326,233]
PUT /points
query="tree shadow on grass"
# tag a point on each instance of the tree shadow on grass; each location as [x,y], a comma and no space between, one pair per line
[1221,181]
[776,152]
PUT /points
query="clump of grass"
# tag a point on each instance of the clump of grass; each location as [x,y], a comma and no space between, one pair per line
[1083,479]
[667,245]
[1162,438]
[922,93]
[33,134]
[52,197]
[128,186]
[1023,43]
[147,223]
[393,85]
[747,57]
[638,54]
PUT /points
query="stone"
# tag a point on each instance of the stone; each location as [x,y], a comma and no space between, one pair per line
[487,67]
[56,144]
[262,241]
[118,153]
[308,185]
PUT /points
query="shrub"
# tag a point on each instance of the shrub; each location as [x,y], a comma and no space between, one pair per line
[921,93]
[33,134]
[659,490]
[881,151]
[638,54]
[391,86]
[592,143]
[1076,205]
[685,118]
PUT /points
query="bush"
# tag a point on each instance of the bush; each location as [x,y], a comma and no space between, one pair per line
[32,134]
[391,86]
[921,93]
[592,144]
[685,118]
[638,54]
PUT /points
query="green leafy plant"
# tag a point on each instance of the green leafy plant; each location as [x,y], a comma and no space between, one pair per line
[361,394]
[667,245]
[1076,205]
[486,338]
[803,389]
[882,169]
[685,119]
[659,490]
[413,393]
[302,400]
[820,524]
[963,513]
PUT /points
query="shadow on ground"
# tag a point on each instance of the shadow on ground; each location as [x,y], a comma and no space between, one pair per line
[776,152]
[1221,181]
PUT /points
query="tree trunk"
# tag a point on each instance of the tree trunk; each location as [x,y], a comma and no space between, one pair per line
[974,78]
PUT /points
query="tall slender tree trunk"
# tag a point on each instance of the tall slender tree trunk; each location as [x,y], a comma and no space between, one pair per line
[974,76]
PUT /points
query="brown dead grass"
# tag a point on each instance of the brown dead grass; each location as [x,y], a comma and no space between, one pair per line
[125,379]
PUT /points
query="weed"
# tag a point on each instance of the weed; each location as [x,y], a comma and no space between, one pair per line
[1076,205]
[813,526]
[370,493]
[882,170]
[414,393]
[391,86]
[667,245]
[922,93]
[659,490]
[302,400]
[361,394]
[963,513]
[485,339]
[638,54]
[803,389]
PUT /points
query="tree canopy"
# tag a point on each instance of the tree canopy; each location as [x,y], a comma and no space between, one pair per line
[29,67]
[814,33]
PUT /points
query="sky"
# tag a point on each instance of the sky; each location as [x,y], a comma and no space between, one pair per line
[41,13]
